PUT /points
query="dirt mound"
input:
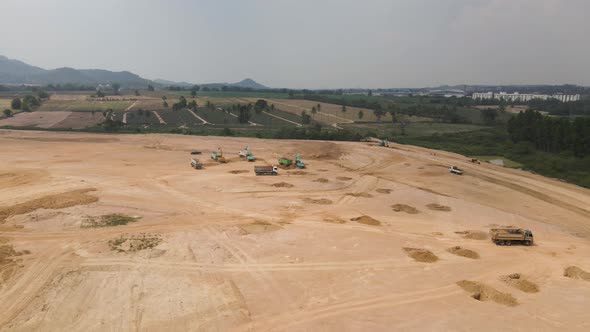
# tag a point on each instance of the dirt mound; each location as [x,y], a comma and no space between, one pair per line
[459,251]
[258,227]
[365,195]
[384,191]
[516,280]
[575,272]
[282,185]
[421,255]
[56,201]
[473,235]
[132,243]
[334,220]
[321,180]
[404,208]
[238,171]
[483,292]
[323,201]
[298,173]
[367,220]
[438,207]
[343,178]
[108,220]
[8,261]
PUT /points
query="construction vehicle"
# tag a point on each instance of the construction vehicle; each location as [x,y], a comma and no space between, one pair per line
[195,152]
[285,162]
[384,143]
[298,162]
[266,170]
[456,170]
[508,236]
[196,163]
[247,153]
[218,156]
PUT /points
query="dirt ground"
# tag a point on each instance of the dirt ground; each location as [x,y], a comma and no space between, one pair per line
[56,119]
[209,250]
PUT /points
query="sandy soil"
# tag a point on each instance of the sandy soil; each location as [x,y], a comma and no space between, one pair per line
[36,119]
[218,250]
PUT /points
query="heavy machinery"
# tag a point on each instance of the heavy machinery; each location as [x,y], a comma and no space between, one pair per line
[384,143]
[247,153]
[266,170]
[298,162]
[508,236]
[285,162]
[218,156]
[196,163]
[456,170]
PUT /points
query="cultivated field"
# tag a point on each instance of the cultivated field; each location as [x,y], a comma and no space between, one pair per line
[84,105]
[5,104]
[117,232]
[54,119]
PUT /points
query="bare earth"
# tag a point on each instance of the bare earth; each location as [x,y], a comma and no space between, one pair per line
[219,250]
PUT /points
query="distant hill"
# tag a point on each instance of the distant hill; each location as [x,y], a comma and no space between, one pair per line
[250,83]
[18,72]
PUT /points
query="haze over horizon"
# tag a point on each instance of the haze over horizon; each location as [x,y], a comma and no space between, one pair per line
[308,44]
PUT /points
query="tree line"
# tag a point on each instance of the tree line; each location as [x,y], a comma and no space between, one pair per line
[551,134]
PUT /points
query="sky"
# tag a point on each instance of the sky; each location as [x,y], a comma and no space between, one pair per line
[308,43]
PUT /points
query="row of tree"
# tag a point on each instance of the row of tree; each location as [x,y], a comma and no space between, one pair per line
[551,134]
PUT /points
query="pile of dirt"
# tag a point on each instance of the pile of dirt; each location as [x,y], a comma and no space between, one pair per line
[367,220]
[334,220]
[438,207]
[516,280]
[282,185]
[473,235]
[343,178]
[133,243]
[404,208]
[8,261]
[238,171]
[108,220]
[321,151]
[321,180]
[322,201]
[365,195]
[56,201]
[483,292]
[421,255]
[384,191]
[298,173]
[575,272]
[459,251]
[257,227]
[437,234]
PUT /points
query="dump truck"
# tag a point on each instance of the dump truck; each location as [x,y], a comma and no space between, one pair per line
[285,162]
[218,156]
[384,143]
[247,153]
[508,236]
[456,170]
[196,163]
[266,170]
[298,162]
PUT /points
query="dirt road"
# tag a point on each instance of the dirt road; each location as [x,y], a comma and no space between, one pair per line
[222,249]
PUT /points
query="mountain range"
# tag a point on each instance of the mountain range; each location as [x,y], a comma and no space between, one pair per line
[16,72]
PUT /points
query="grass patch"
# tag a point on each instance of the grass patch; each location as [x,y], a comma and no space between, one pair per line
[108,220]
[133,243]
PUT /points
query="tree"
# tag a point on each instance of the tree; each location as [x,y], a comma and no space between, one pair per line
[116,87]
[164,98]
[193,93]
[305,118]
[260,106]
[489,115]
[272,107]
[150,88]
[165,104]
[42,94]
[16,103]
[7,113]
[319,107]
[137,92]
[244,114]
[360,115]
[99,93]
[370,93]
[343,109]
[313,111]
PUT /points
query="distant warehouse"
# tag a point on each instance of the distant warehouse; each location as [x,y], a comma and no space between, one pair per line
[524,96]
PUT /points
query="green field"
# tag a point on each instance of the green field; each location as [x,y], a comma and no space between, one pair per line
[84,105]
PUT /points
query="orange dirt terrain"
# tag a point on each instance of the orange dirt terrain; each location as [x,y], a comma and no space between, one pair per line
[104,232]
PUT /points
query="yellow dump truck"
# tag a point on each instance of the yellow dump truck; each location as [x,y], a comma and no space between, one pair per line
[508,236]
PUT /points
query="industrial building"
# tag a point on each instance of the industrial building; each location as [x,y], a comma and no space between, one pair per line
[524,96]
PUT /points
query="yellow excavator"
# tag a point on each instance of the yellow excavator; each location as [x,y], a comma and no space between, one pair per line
[218,156]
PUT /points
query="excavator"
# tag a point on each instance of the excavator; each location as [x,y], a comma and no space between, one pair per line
[218,156]
[247,153]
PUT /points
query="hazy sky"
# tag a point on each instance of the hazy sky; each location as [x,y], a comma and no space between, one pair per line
[308,43]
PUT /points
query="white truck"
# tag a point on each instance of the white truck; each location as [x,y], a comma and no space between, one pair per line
[456,170]
[196,163]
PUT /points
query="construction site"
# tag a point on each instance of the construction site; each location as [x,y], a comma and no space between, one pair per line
[167,232]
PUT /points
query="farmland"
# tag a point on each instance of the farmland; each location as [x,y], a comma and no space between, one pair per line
[85,105]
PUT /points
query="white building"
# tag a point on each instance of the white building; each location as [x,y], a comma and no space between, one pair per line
[524,97]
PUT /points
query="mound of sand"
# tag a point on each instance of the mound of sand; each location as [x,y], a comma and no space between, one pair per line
[8,262]
[297,173]
[282,185]
[459,251]
[343,178]
[365,195]
[473,235]
[258,227]
[323,201]
[516,280]
[483,292]
[421,255]
[238,171]
[334,220]
[367,220]
[321,180]
[384,191]
[438,207]
[575,272]
[404,208]
[56,201]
